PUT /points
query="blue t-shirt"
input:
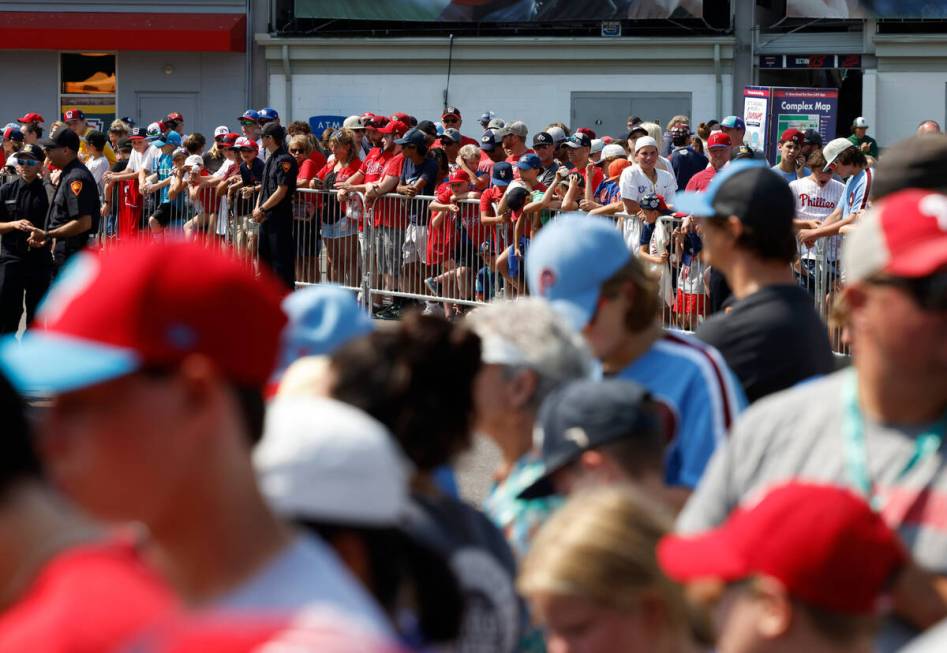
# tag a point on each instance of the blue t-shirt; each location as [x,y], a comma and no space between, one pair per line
[607,192]
[163,166]
[486,283]
[790,176]
[855,195]
[702,391]
[411,173]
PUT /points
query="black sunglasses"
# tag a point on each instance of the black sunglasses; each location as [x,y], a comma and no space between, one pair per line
[297,151]
[929,293]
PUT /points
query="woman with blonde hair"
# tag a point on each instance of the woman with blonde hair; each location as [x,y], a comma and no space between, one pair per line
[338,224]
[592,578]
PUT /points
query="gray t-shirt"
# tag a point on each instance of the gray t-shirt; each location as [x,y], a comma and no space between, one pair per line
[800,434]
[306,574]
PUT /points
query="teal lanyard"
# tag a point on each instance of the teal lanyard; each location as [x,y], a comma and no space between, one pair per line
[856,452]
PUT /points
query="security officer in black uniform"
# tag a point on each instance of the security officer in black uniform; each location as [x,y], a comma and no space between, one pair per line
[74,209]
[274,209]
[25,272]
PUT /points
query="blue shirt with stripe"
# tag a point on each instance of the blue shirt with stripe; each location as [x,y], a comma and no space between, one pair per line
[702,391]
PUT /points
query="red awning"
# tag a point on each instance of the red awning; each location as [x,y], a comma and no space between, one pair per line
[170,32]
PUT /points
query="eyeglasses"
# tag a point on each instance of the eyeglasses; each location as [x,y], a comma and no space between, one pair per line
[297,151]
[929,293]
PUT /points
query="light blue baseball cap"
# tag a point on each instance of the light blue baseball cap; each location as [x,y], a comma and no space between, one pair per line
[171,138]
[322,318]
[570,259]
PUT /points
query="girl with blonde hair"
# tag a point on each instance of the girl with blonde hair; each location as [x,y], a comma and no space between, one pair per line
[592,578]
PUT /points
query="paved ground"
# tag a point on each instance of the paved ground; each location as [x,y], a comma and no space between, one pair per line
[475,470]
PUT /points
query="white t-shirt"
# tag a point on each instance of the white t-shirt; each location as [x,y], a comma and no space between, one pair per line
[98,167]
[143,160]
[306,574]
[665,164]
[817,203]
[634,183]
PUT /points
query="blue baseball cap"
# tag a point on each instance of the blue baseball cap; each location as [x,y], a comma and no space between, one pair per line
[569,260]
[414,137]
[488,141]
[322,318]
[529,160]
[733,122]
[267,114]
[171,138]
[249,115]
[502,174]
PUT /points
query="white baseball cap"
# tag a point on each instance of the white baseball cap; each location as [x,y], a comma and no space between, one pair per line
[221,130]
[597,145]
[611,151]
[353,122]
[645,141]
[194,161]
[860,122]
[833,149]
[324,460]
[558,135]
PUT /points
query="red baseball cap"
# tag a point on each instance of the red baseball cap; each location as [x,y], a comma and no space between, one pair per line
[904,234]
[402,117]
[824,544]
[588,132]
[245,143]
[793,135]
[719,139]
[393,127]
[73,114]
[31,117]
[451,111]
[148,304]
[173,117]
[459,177]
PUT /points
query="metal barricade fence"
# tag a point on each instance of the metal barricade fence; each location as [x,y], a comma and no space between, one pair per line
[398,248]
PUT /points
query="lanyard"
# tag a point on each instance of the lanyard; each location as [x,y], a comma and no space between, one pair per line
[856,452]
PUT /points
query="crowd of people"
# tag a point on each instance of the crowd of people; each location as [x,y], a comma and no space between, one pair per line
[418,212]
[200,458]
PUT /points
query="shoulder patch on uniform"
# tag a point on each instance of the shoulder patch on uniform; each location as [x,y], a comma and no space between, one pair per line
[286,166]
[75,186]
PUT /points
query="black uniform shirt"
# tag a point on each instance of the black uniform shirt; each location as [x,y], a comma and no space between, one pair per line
[280,170]
[76,195]
[31,203]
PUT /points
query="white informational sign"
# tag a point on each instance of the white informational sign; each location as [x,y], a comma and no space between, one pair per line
[754,115]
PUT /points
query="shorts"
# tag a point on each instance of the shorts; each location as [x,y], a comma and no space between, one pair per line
[514,262]
[341,229]
[414,249]
[388,244]
[690,303]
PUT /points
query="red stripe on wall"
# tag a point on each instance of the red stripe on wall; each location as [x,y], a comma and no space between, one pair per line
[123,31]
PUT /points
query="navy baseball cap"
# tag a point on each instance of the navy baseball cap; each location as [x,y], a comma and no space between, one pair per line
[812,137]
[529,160]
[488,141]
[414,137]
[61,136]
[502,174]
[747,189]
[586,414]
[733,122]
[570,259]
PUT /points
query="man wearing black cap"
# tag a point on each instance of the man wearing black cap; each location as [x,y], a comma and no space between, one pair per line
[24,271]
[545,148]
[74,209]
[595,433]
[274,209]
[811,140]
[772,337]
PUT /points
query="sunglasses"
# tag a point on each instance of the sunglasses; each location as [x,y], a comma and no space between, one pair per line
[929,293]
[29,163]
[297,151]
[449,120]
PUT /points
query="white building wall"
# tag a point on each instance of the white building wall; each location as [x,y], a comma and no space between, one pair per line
[537,99]
[904,99]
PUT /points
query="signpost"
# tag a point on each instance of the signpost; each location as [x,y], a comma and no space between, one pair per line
[770,110]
